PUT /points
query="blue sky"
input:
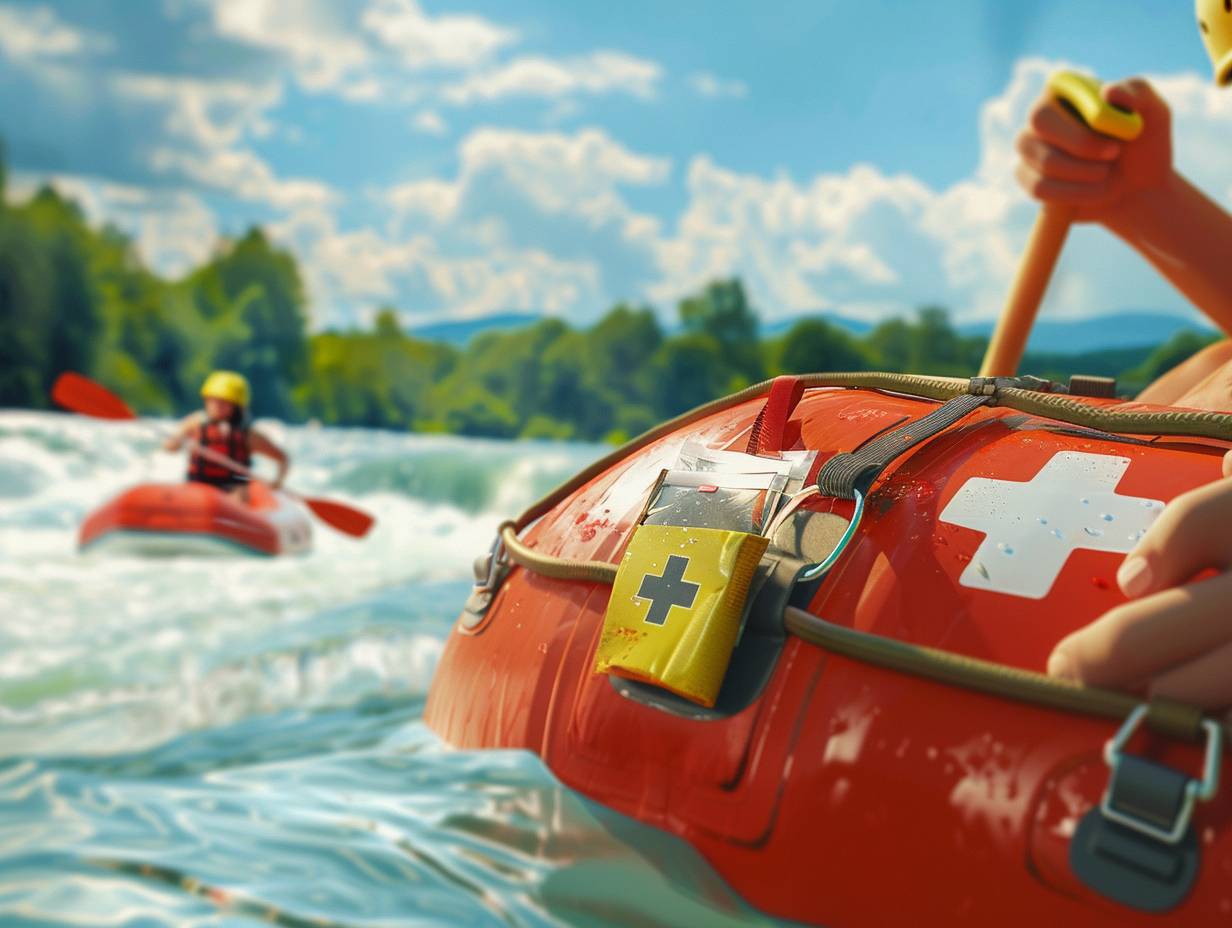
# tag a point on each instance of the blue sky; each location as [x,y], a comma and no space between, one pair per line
[462,159]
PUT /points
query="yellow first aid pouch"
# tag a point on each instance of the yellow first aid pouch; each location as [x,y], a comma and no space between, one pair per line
[676,607]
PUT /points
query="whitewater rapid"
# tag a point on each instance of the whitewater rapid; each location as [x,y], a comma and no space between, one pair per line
[107,654]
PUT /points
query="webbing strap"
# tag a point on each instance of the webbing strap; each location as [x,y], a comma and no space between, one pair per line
[850,471]
[770,430]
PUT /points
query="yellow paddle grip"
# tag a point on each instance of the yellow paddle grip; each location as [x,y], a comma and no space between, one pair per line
[1082,93]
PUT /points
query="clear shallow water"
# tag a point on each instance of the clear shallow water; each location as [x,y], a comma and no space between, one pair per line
[232,742]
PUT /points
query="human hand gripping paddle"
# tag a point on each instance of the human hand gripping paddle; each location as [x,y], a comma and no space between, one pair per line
[1082,98]
[83,395]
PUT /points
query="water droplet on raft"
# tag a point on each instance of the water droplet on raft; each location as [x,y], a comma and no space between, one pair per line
[839,791]
[1100,583]
[1085,501]
[1041,520]
[1056,533]
[1093,532]
[1107,516]
[979,565]
[1005,549]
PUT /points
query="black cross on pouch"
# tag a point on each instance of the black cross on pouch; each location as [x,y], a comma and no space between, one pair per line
[669,590]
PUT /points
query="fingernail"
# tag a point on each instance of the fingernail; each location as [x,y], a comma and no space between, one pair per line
[1060,666]
[1134,576]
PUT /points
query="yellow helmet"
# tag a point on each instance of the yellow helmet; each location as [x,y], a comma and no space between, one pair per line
[1215,21]
[227,385]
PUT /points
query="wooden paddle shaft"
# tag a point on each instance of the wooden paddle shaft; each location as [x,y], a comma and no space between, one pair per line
[1009,339]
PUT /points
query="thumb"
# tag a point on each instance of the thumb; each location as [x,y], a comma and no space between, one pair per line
[1227,464]
[1138,96]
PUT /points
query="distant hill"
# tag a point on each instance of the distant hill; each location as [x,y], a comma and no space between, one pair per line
[1119,330]
[459,333]
[1050,336]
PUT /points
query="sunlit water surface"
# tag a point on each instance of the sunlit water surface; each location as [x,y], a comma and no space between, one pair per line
[239,741]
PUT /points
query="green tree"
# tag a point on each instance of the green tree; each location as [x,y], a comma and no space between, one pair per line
[1176,350]
[722,312]
[383,378]
[50,320]
[685,372]
[816,345]
[256,284]
[927,344]
[620,343]
[468,408]
[26,313]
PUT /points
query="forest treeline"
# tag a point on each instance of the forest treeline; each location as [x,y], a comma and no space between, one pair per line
[77,297]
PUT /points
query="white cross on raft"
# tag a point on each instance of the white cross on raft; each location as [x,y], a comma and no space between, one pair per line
[1032,528]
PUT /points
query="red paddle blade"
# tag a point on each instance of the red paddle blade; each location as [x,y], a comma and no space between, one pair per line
[346,519]
[83,395]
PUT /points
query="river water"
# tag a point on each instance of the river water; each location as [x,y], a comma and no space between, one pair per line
[240,742]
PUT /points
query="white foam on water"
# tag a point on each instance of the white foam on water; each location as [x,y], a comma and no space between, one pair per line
[106,653]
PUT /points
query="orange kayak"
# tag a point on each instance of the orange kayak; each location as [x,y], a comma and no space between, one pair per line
[196,519]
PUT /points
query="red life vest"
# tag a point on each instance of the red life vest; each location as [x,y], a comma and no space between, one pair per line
[225,439]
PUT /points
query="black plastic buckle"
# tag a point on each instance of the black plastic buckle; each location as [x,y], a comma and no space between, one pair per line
[989,386]
[1138,846]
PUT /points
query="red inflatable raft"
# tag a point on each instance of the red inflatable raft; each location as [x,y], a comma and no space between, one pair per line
[196,519]
[859,765]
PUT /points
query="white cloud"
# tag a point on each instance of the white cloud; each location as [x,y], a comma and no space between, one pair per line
[173,230]
[850,240]
[872,245]
[207,114]
[429,122]
[532,222]
[241,173]
[534,76]
[548,220]
[542,174]
[314,36]
[436,199]
[348,272]
[204,126]
[344,269]
[555,165]
[514,280]
[421,41]
[711,85]
[358,52]
[31,32]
